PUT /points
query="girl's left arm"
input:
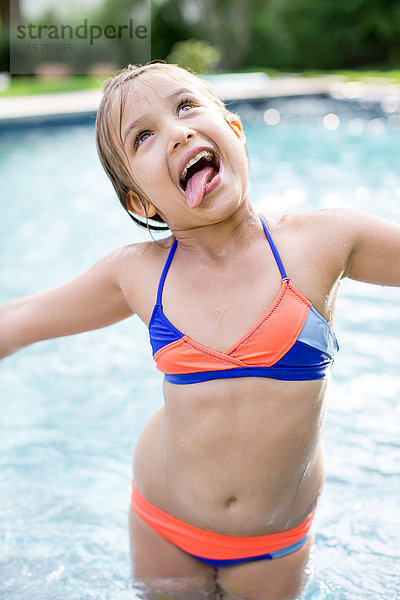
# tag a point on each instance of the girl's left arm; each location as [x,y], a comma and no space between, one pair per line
[373,248]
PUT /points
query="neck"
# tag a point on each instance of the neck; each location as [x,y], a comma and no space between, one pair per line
[219,240]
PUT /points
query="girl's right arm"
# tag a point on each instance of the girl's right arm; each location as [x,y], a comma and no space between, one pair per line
[91,301]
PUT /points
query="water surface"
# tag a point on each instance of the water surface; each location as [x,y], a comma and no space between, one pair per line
[72,409]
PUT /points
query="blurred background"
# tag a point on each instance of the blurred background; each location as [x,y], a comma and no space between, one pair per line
[307,36]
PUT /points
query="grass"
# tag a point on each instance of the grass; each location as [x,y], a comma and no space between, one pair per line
[31,85]
[21,86]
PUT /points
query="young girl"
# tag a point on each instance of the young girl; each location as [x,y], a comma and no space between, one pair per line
[240,310]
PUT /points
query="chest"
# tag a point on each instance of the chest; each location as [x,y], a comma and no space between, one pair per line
[216,306]
[217,309]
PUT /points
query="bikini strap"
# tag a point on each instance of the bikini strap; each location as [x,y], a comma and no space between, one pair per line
[165,271]
[175,244]
[273,248]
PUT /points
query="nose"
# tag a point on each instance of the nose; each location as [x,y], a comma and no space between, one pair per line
[180,135]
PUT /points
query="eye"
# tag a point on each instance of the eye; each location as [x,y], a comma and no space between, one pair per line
[187,103]
[141,136]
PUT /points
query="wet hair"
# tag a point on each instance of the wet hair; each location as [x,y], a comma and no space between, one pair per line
[110,145]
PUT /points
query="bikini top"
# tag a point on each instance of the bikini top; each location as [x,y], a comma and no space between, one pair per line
[291,341]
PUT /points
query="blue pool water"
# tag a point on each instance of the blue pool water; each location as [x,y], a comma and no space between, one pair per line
[72,409]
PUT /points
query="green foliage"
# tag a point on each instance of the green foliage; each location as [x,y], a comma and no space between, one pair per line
[309,34]
[249,34]
[168,26]
[197,55]
[303,34]
[228,26]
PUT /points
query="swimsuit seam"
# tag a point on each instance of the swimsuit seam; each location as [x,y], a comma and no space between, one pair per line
[266,317]
[208,352]
[299,294]
[165,337]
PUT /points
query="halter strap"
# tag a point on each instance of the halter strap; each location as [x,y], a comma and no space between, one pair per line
[274,249]
[165,271]
[175,244]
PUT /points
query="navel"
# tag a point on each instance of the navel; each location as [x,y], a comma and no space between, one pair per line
[230,500]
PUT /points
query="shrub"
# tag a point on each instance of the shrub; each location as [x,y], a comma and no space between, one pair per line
[197,55]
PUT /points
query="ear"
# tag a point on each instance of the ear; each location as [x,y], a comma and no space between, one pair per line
[236,125]
[139,207]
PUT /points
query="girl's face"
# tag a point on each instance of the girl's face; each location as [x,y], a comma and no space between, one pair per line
[165,123]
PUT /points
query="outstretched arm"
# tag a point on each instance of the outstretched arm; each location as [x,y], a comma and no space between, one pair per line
[91,301]
[374,246]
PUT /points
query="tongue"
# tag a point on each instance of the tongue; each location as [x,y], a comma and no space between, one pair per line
[197,185]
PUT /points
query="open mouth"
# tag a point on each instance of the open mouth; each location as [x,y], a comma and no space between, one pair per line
[197,176]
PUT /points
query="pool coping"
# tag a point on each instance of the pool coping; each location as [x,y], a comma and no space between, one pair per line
[80,107]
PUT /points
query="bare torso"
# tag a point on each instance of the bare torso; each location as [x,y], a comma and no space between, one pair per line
[238,456]
[241,457]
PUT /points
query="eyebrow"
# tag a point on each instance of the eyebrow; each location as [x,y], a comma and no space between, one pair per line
[142,118]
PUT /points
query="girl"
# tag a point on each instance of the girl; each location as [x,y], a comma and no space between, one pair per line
[240,311]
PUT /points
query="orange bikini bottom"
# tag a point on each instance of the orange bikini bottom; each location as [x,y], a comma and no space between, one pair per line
[215,549]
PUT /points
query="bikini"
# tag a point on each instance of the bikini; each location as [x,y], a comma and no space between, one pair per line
[291,341]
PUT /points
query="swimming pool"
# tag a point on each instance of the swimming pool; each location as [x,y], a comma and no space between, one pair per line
[72,409]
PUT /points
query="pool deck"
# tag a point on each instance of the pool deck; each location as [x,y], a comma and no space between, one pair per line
[83,104]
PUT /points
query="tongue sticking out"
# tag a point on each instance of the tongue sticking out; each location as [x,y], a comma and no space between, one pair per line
[197,184]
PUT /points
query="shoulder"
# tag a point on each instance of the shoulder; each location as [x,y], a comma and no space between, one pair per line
[140,256]
[136,268]
[354,243]
[316,220]
[327,237]
[337,227]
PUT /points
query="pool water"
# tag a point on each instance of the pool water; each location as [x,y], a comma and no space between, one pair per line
[72,409]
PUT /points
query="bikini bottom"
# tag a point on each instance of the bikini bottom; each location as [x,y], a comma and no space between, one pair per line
[215,549]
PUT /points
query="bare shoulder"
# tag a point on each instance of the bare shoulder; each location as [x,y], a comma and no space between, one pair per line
[337,226]
[312,254]
[332,226]
[357,244]
[315,221]
[130,255]
[136,268]
[136,257]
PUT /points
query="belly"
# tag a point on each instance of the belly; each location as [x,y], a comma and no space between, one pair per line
[242,456]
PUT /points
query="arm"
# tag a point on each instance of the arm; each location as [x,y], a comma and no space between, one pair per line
[374,249]
[91,301]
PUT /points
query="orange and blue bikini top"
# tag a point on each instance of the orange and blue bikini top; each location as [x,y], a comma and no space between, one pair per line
[291,341]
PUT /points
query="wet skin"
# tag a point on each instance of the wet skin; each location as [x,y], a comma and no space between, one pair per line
[238,456]
[242,456]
